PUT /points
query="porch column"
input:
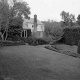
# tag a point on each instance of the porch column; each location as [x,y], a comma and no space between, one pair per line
[21,34]
[24,33]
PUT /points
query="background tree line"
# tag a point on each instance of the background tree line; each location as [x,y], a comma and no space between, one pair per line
[55,29]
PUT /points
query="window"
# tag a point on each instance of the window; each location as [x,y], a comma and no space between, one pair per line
[27,24]
[41,26]
[32,26]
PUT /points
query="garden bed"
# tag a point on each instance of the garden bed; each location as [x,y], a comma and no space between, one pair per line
[64,49]
[11,43]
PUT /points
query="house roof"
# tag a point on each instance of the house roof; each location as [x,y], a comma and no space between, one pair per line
[31,20]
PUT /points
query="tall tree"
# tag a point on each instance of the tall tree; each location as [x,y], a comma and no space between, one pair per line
[67,18]
[71,19]
[9,12]
[78,19]
[4,17]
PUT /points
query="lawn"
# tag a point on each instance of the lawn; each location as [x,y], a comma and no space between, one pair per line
[37,63]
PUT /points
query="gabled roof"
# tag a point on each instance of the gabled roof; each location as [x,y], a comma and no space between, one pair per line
[31,20]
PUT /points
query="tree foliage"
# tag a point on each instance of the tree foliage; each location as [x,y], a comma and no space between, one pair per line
[12,15]
[68,19]
[78,19]
[53,29]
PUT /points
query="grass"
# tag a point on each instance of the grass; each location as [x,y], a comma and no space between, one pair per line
[16,64]
[13,67]
[35,63]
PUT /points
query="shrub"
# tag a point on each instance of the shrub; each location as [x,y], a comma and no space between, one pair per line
[13,38]
[48,39]
[57,32]
[41,41]
[32,40]
[23,39]
[36,41]
[71,35]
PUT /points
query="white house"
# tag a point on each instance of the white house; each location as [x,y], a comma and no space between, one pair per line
[32,25]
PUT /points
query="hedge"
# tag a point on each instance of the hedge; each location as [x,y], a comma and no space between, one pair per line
[36,41]
[71,35]
[11,43]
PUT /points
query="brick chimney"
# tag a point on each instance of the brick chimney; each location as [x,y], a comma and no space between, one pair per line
[35,23]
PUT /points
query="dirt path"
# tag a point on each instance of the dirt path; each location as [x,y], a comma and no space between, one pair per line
[37,63]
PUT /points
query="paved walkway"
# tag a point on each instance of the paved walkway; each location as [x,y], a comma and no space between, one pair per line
[37,63]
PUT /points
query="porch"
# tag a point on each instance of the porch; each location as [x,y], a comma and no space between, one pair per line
[26,33]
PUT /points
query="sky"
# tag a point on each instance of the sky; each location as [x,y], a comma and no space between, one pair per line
[51,9]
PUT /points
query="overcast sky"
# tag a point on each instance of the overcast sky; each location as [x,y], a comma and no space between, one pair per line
[51,9]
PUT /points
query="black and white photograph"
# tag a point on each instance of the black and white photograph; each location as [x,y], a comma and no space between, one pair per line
[39,39]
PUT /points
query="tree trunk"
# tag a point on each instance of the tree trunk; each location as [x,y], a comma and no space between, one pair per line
[78,48]
[6,35]
[6,30]
[2,36]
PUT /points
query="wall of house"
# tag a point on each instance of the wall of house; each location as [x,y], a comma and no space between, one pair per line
[31,26]
[40,27]
[28,26]
[40,34]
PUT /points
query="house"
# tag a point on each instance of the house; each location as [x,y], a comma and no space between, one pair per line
[31,26]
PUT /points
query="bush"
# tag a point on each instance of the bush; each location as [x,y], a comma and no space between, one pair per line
[57,32]
[32,41]
[13,38]
[23,39]
[71,35]
[41,41]
[48,39]
[36,41]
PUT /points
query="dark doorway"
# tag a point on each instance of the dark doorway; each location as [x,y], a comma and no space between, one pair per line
[23,34]
[28,33]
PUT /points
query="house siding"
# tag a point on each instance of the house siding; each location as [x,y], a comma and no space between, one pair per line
[30,25]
